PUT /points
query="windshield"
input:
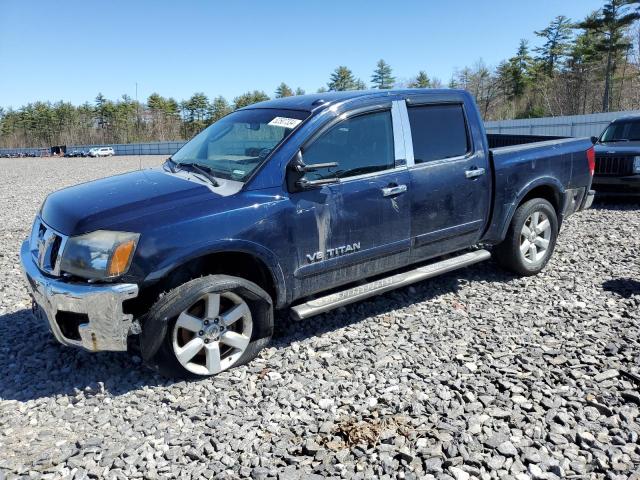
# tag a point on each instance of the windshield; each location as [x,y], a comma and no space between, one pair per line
[622,131]
[237,144]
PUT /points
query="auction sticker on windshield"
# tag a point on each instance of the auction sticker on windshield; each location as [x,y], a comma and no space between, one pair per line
[285,122]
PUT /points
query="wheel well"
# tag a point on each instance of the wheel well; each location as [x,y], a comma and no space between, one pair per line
[237,264]
[547,192]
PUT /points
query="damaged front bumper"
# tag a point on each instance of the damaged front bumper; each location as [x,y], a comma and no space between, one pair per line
[84,315]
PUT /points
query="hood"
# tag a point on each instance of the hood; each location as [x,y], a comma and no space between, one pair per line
[617,148]
[97,205]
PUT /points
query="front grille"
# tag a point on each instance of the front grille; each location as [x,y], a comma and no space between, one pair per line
[606,165]
[46,247]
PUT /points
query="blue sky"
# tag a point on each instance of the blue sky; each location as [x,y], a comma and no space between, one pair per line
[71,50]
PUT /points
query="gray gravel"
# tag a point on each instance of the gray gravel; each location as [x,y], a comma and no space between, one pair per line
[476,374]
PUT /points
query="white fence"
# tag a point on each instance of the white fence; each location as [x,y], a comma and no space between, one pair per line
[572,126]
[151,148]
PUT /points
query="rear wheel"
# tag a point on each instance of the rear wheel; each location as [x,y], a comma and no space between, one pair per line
[206,326]
[531,238]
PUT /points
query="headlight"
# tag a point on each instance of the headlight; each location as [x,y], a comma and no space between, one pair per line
[636,164]
[99,255]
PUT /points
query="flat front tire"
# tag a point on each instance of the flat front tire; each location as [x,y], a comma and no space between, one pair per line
[206,326]
[531,238]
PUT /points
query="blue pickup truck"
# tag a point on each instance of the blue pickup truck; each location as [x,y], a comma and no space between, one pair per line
[305,203]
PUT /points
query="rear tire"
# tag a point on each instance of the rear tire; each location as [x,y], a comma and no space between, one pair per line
[206,326]
[530,240]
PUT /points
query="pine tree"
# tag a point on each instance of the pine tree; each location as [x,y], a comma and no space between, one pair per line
[514,74]
[341,79]
[583,63]
[382,77]
[249,98]
[300,91]
[359,84]
[283,90]
[155,102]
[161,105]
[218,109]
[101,103]
[612,23]
[557,43]
[421,81]
[197,107]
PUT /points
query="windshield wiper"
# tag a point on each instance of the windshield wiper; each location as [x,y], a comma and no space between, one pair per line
[170,164]
[203,170]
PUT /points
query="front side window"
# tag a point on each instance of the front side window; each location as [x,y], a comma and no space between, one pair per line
[438,132]
[237,144]
[359,145]
[622,131]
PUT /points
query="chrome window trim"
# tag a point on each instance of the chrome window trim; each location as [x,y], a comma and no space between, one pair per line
[407,139]
[440,161]
[369,175]
[399,142]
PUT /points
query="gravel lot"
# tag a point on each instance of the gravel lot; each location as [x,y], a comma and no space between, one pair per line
[476,374]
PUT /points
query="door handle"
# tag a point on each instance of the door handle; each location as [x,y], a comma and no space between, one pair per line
[474,172]
[390,191]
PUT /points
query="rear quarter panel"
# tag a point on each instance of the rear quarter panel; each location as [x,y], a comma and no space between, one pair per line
[559,164]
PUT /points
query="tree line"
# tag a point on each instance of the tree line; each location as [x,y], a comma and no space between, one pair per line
[586,66]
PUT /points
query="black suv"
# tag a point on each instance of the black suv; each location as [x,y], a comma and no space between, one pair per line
[618,158]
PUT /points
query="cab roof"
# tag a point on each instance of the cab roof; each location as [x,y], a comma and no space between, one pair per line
[626,118]
[317,101]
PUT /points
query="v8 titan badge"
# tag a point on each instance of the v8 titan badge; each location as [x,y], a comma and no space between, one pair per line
[333,252]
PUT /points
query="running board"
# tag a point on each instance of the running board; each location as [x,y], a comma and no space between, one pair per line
[360,292]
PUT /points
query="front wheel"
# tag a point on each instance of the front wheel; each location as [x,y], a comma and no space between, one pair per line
[206,326]
[530,239]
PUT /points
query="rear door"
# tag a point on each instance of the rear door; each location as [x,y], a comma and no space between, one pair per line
[359,225]
[450,178]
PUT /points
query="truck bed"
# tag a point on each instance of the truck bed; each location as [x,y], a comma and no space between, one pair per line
[497,140]
[560,164]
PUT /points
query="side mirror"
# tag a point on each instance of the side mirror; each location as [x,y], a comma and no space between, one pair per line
[594,140]
[296,170]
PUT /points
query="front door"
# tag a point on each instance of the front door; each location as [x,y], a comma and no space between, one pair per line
[450,181]
[359,225]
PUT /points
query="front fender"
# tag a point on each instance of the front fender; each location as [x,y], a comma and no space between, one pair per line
[182,256]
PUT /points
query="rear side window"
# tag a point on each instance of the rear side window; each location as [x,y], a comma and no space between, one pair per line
[438,132]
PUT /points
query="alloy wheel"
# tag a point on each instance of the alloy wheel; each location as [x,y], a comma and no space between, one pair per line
[212,334]
[535,237]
